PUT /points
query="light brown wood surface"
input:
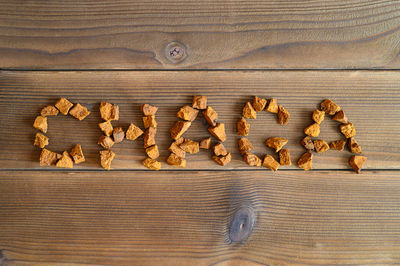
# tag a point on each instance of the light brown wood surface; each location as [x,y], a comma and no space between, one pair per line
[235,34]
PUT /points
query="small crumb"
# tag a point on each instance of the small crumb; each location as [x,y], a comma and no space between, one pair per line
[65,161]
[106,157]
[63,105]
[152,152]
[354,146]
[48,158]
[330,107]
[211,116]
[284,157]
[77,154]
[305,161]
[49,110]
[152,164]
[243,127]
[199,102]
[283,115]
[106,142]
[276,143]
[149,137]
[41,140]
[357,162]
[219,149]
[176,161]
[259,104]
[318,116]
[148,109]
[174,148]
[337,145]
[40,123]
[270,163]
[249,112]
[179,128]
[106,127]
[133,132]
[218,131]
[348,130]
[205,143]
[312,130]
[190,146]
[340,117]
[252,159]
[321,146]
[118,134]
[80,112]
[109,111]
[149,121]
[244,145]
[222,160]
[307,143]
[187,113]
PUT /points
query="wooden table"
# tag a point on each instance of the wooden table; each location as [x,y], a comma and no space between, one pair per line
[163,53]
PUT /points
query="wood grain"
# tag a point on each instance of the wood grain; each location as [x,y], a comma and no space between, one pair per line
[182,218]
[235,34]
[370,99]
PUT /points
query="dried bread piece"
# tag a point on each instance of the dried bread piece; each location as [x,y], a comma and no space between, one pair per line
[176,161]
[79,111]
[272,106]
[118,134]
[106,127]
[49,110]
[48,157]
[190,146]
[259,104]
[179,128]
[219,149]
[357,162]
[249,112]
[148,109]
[312,130]
[340,117]
[284,157]
[222,160]
[348,130]
[174,148]
[152,164]
[318,116]
[40,123]
[270,163]
[321,145]
[77,154]
[63,105]
[149,121]
[218,131]
[283,115]
[65,161]
[205,143]
[187,113]
[133,132]
[252,159]
[199,102]
[243,127]
[337,145]
[329,107]
[41,140]
[106,157]
[354,146]
[276,143]
[305,161]
[109,111]
[244,145]
[106,142]
[307,143]
[211,116]
[152,152]
[149,137]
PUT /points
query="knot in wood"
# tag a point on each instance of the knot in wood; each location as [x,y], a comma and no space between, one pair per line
[175,52]
[242,224]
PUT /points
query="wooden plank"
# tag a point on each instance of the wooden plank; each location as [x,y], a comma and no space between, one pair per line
[370,99]
[181,218]
[220,34]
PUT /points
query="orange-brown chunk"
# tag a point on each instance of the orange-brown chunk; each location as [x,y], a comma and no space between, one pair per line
[337,145]
[106,158]
[357,162]
[152,152]
[49,110]
[149,138]
[63,105]
[276,143]
[219,149]
[340,117]
[244,145]
[77,154]
[48,158]
[307,143]
[318,116]
[252,159]
[249,112]
[348,130]
[205,143]
[65,161]
[179,128]
[222,160]
[148,109]
[305,161]
[187,113]
[190,146]
[118,134]
[243,127]
[152,164]
[106,127]
[41,140]
[354,146]
[149,121]
[312,130]
[218,132]
[283,115]
[133,132]
[259,104]
[272,106]
[270,163]
[199,102]
[106,142]
[211,116]
[330,107]
[176,161]
[174,148]
[109,111]
[40,123]
[321,146]
[79,112]
[284,157]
